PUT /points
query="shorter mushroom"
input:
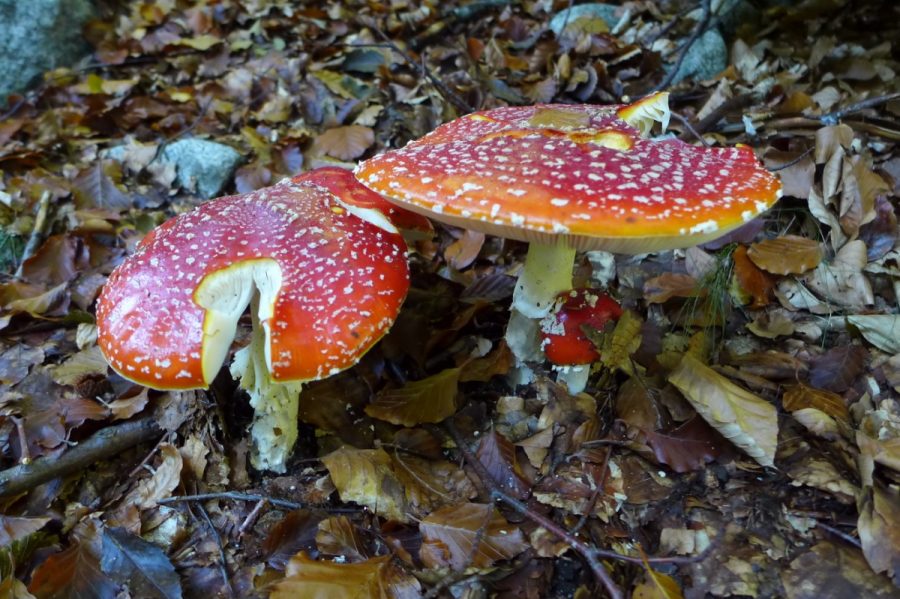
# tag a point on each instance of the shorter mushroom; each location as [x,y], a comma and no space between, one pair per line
[563,336]
[324,285]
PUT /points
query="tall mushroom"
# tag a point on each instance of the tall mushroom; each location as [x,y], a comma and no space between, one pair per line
[324,285]
[572,177]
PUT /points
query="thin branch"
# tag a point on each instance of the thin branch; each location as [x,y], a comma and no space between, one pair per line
[833,117]
[105,444]
[682,52]
[223,565]
[689,127]
[235,496]
[791,163]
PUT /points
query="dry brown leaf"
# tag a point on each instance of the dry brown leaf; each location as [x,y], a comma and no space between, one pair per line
[345,143]
[377,578]
[338,536]
[668,285]
[430,484]
[463,252]
[821,474]
[366,477]
[751,279]
[469,534]
[430,400]
[836,571]
[624,341]
[842,281]
[881,330]
[746,420]
[879,529]
[801,396]
[789,254]
[13,528]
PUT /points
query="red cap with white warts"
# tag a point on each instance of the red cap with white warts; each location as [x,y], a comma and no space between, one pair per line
[578,175]
[330,285]
[562,336]
[363,201]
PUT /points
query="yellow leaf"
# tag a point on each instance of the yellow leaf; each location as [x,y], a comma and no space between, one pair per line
[201,42]
[746,420]
[365,476]
[624,341]
[376,578]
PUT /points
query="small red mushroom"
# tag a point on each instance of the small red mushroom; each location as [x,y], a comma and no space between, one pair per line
[324,284]
[563,337]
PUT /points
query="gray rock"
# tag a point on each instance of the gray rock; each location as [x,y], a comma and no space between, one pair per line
[202,166]
[39,35]
[565,17]
[706,58]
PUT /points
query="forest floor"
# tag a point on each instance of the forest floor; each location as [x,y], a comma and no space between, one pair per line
[422,471]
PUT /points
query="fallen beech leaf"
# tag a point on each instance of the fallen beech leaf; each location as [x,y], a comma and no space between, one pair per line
[75,572]
[770,325]
[13,528]
[657,586]
[462,252]
[345,143]
[625,339]
[689,447]
[881,330]
[818,423]
[338,536]
[430,400]
[295,532]
[880,235]
[496,363]
[129,559]
[377,578]
[498,456]
[801,396]
[469,535]
[668,285]
[789,254]
[833,570]
[430,484]
[842,281]
[821,474]
[838,368]
[879,529]
[366,477]
[129,405]
[746,420]
[82,364]
[636,405]
[751,279]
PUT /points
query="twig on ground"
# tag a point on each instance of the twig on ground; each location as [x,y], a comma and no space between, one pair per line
[251,517]
[235,496]
[682,52]
[791,163]
[104,444]
[689,127]
[223,565]
[833,117]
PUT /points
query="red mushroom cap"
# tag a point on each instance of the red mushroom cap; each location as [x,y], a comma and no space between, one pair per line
[562,335]
[343,184]
[579,175]
[330,286]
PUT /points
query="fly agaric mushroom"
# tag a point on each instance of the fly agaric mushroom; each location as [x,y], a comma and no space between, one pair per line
[572,177]
[563,337]
[323,284]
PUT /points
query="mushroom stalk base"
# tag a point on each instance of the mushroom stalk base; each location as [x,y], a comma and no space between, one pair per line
[275,404]
[574,377]
[547,273]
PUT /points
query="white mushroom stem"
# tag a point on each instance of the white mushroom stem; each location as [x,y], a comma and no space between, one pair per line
[574,377]
[275,404]
[547,273]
